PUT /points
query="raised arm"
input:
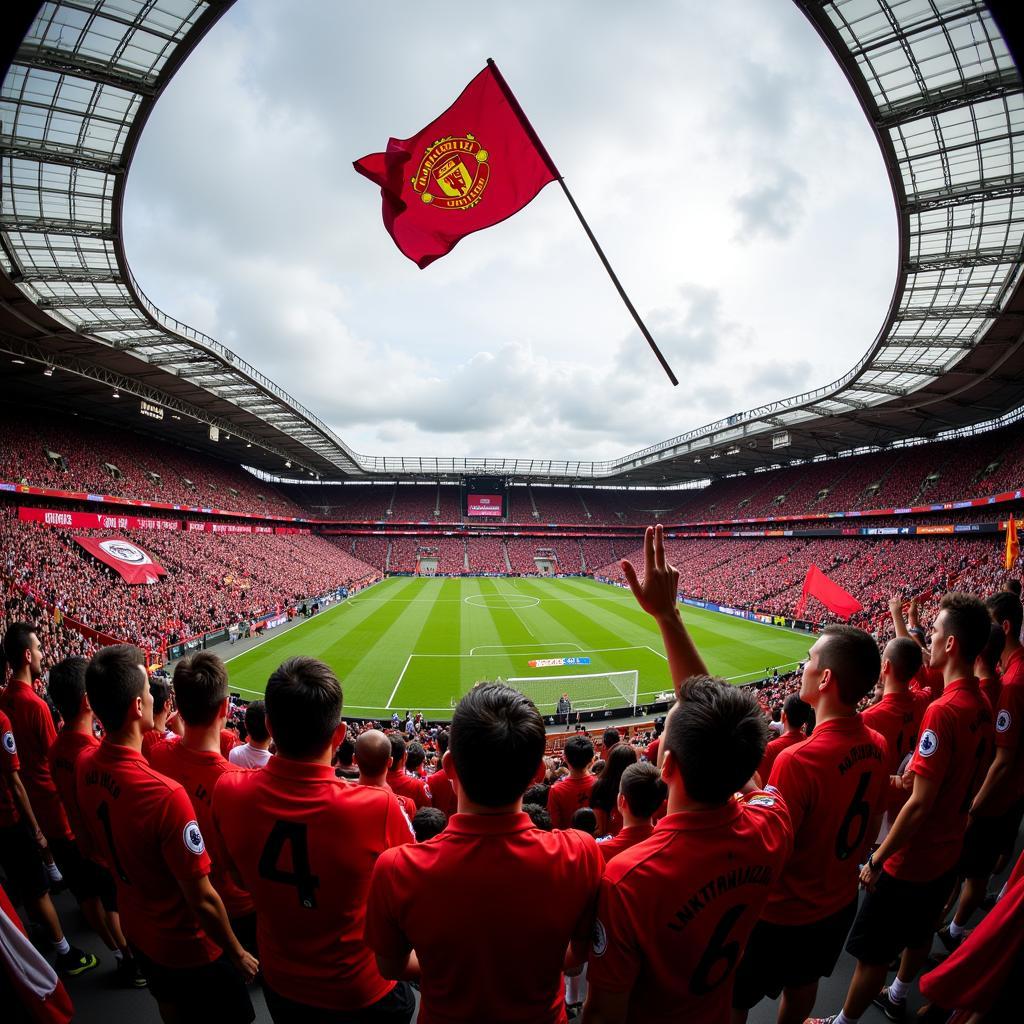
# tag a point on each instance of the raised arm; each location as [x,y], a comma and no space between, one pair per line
[656,594]
[896,611]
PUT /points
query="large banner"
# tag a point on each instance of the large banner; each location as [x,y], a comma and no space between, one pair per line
[484,505]
[205,526]
[94,520]
[133,563]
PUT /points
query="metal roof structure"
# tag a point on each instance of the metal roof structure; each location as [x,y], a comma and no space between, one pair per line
[936,79]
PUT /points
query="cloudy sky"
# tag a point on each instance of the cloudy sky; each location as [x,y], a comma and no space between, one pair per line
[716,150]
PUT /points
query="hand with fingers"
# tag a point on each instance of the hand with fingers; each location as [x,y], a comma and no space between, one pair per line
[657,592]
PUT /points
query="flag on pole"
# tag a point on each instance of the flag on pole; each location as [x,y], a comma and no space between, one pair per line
[1012,544]
[472,167]
[829,593]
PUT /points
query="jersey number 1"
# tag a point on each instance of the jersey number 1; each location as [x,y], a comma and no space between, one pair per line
[294,834]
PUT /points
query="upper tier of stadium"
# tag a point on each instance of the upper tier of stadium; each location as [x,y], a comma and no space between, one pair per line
[938,81]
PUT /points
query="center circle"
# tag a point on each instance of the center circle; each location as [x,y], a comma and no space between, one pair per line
[497,602]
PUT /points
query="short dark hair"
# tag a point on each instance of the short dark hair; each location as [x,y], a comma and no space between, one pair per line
[716,735]
[18,640]
[415,755]
[256,722]
[777,713]
[161,691]
[537,794]
[659,725]
[113,682]
[606,788]
[584,820]
[442,741]
[852,655]
[539,816]
[66,686]
[905,656]
[1006,607]
[304,702]
[643,789]
[578,751]
[611,737]
[497,741]
[428,822]
[993,650]
[1013,586]
[398,748]
[200,687]
[967,619]
[796,711]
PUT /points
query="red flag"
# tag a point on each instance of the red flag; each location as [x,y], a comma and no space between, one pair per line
[829,593]
[133,563]
[474,166]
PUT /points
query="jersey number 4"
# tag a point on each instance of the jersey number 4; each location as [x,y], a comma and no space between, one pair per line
[291,834]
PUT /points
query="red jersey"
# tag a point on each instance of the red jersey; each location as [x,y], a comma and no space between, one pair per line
[199,772]
[776,747]
[954,749]
[304,843]
[676,911]
[612,846]
[501,974]
[9,764]
[154,737]
[651,753]
[409,786]
[143,828]
[565,798]
[228,741]
[609,823]
[63,757]
[928,681]
[835,784]
[1009,722]
[442,793]
[897,716]
[991,688]
[34,732]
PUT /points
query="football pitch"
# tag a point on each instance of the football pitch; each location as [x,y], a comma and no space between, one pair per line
[418,643]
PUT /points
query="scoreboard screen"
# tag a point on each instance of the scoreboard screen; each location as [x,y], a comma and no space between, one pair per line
[484,499]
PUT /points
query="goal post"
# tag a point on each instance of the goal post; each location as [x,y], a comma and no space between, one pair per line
[591,692]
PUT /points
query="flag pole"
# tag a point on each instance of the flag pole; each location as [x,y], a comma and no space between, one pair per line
[535,139]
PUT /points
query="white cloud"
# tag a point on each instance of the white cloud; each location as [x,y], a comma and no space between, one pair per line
[680,127]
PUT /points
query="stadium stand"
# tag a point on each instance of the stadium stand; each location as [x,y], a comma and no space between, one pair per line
[486,554]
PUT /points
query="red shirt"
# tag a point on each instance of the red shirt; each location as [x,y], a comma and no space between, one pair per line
[1009,720]
[304,844]
[609,823]
[676,911]
[835,784]
[928,681]
[776,747]
[155,737]
[9,764]
[537,890]
[144,830]
[897,716]
[62,758]
[623,840]
[565,798]
[228,741]
[954,749]
[409,786]
[442,793]
[199,772]
[991,687]
[651,753]
[34,731]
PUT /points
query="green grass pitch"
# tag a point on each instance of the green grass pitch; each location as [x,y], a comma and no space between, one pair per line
[415,644]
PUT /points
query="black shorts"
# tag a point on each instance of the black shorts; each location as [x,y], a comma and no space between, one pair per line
[215,987]
[82,876]
[983,842]
[395,1008]
[782,956]
[898,915]
[22,862]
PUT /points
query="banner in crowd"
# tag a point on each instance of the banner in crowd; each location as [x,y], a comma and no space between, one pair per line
[1012,544]
[829,593]
[207,527]
[134,564]
[94,520]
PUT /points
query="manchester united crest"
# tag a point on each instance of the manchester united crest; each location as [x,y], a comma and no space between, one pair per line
[453,173]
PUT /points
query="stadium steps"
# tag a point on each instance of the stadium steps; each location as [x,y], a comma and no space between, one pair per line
[465,551]
[504,551]
[391,502]
[437,505]
[586,511]
[579,544]
[387,559]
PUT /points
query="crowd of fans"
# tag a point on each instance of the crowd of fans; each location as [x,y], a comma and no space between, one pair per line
[681,871]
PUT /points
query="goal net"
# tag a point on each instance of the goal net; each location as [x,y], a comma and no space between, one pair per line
[584,692]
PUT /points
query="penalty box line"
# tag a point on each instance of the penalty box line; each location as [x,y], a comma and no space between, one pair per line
[580,650]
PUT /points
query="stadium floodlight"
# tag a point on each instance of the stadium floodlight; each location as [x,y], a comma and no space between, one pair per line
[48,372]
[592,692]
[116,394]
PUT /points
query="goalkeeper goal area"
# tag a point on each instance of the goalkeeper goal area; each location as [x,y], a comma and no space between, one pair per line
[592,692]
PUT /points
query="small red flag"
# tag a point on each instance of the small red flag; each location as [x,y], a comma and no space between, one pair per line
[1012,544]
[829,593]
[474,166]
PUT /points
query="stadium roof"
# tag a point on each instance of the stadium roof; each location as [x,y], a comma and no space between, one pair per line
[937,81]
